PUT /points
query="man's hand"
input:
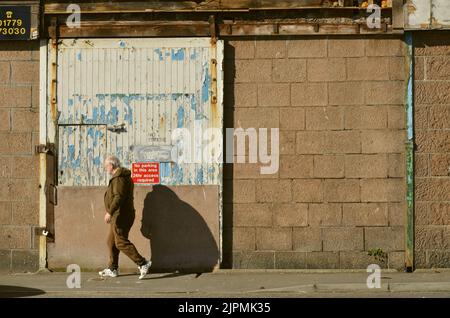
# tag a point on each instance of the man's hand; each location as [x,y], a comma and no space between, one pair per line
[107,217]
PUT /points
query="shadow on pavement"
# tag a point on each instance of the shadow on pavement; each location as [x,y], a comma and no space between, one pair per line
[17,291]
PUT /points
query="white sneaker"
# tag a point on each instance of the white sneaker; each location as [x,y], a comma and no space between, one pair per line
[109,273]
[144,269]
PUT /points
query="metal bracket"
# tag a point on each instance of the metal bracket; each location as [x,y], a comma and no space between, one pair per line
[48,149]
[42,231]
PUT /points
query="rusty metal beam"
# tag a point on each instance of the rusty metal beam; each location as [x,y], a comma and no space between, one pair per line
[60,7]
[190,28]
[141,29]
[113,19]
[129,7]
[268,29]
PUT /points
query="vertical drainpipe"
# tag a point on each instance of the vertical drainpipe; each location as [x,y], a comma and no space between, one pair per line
[409,231]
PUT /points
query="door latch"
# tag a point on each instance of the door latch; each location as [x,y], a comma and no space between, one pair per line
[117,128]
[42,231]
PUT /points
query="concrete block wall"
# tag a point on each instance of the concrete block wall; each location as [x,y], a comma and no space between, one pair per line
[432,120]
[340,188]
[19,166]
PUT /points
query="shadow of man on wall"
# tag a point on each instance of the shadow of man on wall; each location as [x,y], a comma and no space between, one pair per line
[179,237]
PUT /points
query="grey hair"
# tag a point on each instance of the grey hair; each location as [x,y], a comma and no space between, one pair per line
[113,160]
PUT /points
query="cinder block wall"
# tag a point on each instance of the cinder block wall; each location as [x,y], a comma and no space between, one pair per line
[19,126]
[432,119]
[340,189]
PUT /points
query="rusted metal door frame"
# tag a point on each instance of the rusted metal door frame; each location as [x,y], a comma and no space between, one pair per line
[217,87]
[45,149]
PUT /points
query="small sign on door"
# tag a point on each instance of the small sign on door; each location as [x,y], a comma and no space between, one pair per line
[145,172]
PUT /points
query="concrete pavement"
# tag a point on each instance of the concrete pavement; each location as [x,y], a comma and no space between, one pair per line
[231,284]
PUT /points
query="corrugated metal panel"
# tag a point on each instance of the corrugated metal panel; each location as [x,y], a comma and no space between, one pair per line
[427,14]
[150,87]
[81,152]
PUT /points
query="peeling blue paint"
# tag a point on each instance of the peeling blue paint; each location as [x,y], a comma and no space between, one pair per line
[128,116]
[206,84]
[98,134]
[74,163]
[79,56]
[90,132]
[164,170]
[180,176]
[176,96]
[193,103]
[177,174]
[159,53]
[178,54]
[102,113]
[70,102]
[97,161]
[116,102]
[95,114]
[113,116]
[199,176]
[194,54]
[180,117]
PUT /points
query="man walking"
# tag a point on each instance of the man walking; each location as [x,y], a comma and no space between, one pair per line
[120,215]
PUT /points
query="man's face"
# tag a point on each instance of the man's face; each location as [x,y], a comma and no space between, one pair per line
[108,167]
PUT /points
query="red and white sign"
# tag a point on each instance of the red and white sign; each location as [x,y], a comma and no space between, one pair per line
[145,172]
